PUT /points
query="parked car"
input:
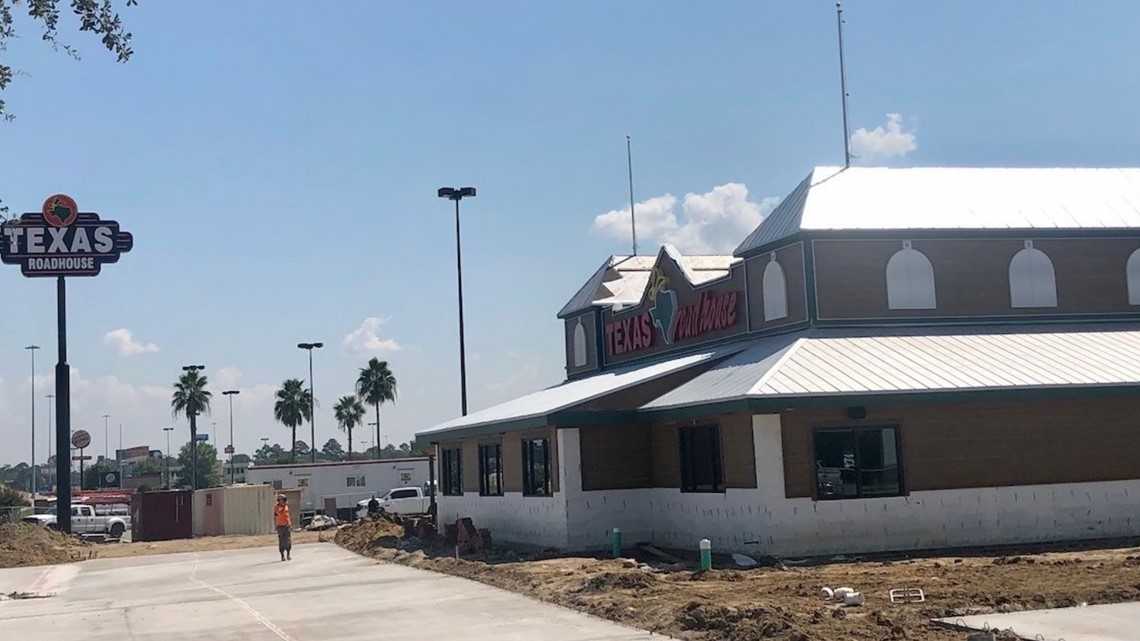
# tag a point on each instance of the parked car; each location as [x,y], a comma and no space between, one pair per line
[402,500]
[84,520]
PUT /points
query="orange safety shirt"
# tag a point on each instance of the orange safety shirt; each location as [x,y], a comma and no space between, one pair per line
[281,515]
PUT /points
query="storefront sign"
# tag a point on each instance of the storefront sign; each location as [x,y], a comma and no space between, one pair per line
[712,312]
[61,241]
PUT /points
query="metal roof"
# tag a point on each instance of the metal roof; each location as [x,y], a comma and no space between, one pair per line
[621,280]
[533,409]
[820,363]
[940,198]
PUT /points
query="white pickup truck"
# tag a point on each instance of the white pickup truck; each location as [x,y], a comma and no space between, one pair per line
[84,521]
[402,500]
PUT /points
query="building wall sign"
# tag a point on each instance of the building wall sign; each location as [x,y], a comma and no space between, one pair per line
[61,241]
[669,322]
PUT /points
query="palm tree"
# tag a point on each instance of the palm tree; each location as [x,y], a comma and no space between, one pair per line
[349,412]
[190,399]
[293,408]
[375,385]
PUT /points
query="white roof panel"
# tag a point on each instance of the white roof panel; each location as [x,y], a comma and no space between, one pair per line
[908,360]
[568,394]
[938,198]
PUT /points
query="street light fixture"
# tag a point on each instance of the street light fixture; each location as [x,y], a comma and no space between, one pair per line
[309,347]
[231,393]
[32,349]
[193,433]
[168,430]
[452,193]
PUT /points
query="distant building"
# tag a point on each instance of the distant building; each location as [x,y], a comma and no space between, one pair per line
[239,470]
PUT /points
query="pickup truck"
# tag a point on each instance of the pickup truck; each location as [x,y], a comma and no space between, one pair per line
[84,521]
[402,500]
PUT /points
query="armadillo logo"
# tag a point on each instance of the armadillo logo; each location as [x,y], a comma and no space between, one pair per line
[60,210]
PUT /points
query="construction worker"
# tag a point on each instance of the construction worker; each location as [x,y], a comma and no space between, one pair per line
[373,506]
[284,524]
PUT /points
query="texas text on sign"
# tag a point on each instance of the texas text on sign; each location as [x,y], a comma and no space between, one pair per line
[61,241]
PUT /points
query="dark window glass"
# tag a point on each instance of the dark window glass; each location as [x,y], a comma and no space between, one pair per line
[491,470]
[536,467]
[452,465]
[855,463]
[701,469]
[404,494]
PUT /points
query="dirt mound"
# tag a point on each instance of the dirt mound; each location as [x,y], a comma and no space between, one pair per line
[369,534]
[609,581]
[22,544]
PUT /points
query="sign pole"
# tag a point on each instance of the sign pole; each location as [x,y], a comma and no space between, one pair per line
[63,417]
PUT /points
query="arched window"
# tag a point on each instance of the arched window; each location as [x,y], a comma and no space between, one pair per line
[910,280]
[775,291]
[1032,281]
[580,356]
[1132,271]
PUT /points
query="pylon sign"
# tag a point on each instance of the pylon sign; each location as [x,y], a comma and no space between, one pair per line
[60,240]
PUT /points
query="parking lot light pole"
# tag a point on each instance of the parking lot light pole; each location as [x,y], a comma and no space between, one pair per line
[309,347]
[231,393]
[451,193]
[168,430]
[32,349]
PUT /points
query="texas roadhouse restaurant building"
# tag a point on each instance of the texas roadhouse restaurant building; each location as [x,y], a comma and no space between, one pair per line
[894,359]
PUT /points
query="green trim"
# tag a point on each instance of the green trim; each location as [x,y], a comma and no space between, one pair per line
[809,282]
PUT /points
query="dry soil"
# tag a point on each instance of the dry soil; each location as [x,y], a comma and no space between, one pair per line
[22,545]
[783,602]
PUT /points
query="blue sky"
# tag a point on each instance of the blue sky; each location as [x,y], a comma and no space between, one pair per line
[278,164]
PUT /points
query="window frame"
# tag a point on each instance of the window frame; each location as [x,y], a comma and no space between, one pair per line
[855,430]
[485,474]
[451,486]
[529,489]
[684,437]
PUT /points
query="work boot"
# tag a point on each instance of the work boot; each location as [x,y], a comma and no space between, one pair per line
[282,556]
[289,555]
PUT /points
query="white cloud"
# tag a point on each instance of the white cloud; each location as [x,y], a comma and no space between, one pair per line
[366,338]
[883,142]
[711,223]
[655,218]
[122,340]
[227,377]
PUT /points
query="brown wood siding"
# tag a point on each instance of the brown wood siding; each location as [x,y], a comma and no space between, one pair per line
[470,466]
[512,463]
[616,457]
[738,451]
[590,329]
[987,444]
[971,276]
[666,450]
[791,260]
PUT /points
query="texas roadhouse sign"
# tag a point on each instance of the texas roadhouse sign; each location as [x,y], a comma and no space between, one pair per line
[61,241]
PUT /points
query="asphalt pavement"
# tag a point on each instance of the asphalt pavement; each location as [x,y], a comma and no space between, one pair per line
[324,594]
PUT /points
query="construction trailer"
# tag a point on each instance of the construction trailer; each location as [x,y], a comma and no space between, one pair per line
[334,489]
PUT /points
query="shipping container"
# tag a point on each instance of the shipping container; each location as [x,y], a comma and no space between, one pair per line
[234,510]
[346,483]
[161,516]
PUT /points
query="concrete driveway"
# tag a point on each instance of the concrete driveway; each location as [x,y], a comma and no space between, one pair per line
[323,594]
